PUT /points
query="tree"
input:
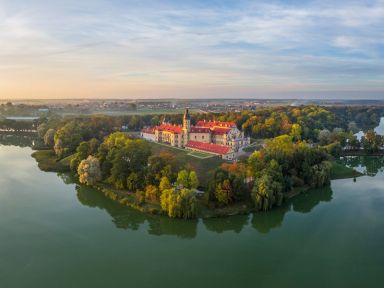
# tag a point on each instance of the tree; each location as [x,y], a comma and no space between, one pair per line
[193,180]
[183,179]
[256,163]
[152,193]
[267,192]
[130,156]
[352,126]
[70,135]
[371,141]
[324,137]
[353,142]
[164,184]
[85,149]
[179,203]
[89,171]
[320,174]
[93,146]
[42,129]
[59,148]
[49,138]
[133,182]
[156,165]
[224,192]
[296,132]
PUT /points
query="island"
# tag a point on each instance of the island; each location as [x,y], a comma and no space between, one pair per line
[208,164]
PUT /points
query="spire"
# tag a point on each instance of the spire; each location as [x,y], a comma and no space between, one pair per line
[186,114]
[186,121]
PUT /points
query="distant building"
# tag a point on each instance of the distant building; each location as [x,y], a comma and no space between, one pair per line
[220,138]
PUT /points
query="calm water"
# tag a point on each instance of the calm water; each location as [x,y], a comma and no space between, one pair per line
[54,234]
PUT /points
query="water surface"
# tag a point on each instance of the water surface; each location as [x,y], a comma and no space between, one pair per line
[56,234]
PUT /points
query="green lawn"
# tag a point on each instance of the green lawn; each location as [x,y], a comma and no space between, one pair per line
[203,166]
[200,155]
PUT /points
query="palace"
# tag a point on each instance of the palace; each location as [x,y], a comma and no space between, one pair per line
[220,138]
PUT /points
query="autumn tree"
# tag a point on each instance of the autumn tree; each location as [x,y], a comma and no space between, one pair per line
[152,193]
[89,171]
[224,192]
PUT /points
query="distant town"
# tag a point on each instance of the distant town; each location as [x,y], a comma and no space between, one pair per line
[116,107]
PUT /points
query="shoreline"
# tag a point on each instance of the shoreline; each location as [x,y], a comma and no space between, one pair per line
[47,162]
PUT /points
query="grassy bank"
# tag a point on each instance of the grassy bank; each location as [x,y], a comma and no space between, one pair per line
[340,171]
[47,161]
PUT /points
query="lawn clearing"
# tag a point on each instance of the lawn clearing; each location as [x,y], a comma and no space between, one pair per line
[200,155]
[204,166]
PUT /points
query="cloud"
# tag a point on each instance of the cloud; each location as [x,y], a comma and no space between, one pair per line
[263,45]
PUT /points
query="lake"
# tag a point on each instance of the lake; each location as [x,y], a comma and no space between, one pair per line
[57,234]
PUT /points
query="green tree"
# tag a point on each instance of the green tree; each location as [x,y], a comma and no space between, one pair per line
[193,180]
[296,132]
[183,179]
[133,182]
[42,130]
[164,184]
[179,203]
[267,192]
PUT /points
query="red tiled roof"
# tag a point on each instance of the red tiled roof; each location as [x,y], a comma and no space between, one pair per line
[170,128]
[210,124]
[149,130]
[220,130]
[208,147]
[200,130]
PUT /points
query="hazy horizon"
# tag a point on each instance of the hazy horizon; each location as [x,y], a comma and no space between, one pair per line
[191,49]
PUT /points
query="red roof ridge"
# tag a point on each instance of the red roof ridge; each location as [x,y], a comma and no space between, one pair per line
[149,130]
[170,128]
[209,147]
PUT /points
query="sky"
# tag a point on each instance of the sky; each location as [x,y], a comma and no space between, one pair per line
[191,49]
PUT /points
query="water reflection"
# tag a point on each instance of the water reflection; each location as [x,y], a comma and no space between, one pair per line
[126,218]
[16,140]
[378,129]
[230,223]
[308,201]
[368,165]
[264,222]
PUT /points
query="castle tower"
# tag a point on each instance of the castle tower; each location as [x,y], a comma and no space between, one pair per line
[186,126]
[186,120]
